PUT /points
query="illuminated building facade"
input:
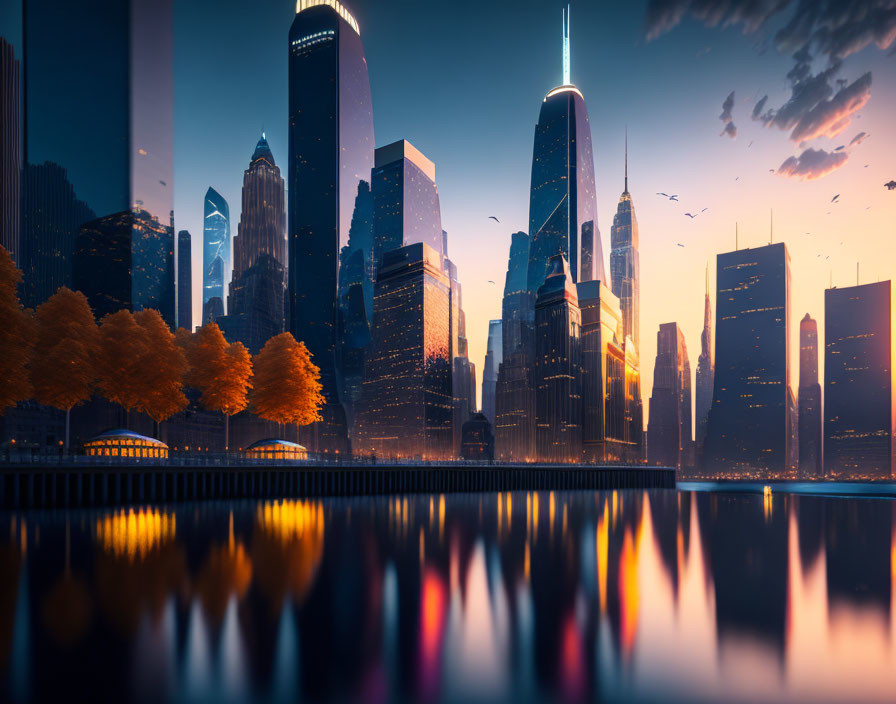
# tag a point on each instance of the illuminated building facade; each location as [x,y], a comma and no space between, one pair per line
[407,400]
[216,246]
[810,415]
[705,372]
[258,286]
[558,367]
[750,428]
[330,152]
[625,263]
[858,382]
[356,264]
[669,429]
[117,170]
[493,357]
[10,151]
[184,281]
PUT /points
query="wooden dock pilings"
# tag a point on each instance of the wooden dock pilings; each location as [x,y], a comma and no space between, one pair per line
[73,486]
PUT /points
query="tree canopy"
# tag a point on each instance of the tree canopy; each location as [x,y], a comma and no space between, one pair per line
[121,353]
[163,366]
[287,386]
[16,337]
[220,371]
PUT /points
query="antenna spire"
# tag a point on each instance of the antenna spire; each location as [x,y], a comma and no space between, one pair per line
[626,158]
[566,80]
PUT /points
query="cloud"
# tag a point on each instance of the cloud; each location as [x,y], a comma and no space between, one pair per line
[664,15]
[727,117]
[812,164]
[828,118]
[858,139]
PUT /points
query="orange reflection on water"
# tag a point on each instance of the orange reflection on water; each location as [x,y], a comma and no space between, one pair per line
[129,533]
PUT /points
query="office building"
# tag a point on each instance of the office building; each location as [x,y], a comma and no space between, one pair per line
[625,263]
[10,151]
[669,428]
[705,373]
[216,247]
[810,415]
[494,355]
[184,281]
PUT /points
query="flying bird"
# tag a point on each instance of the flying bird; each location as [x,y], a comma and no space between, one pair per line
[890,185]
[750,144]
[737,178]
[840,148]
[490,281]
[704,210]
[492,217]
[690,216]
[679,244]
[666,195]
[771,171]
[834,199]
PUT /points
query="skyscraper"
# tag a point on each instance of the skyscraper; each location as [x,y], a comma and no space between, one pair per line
[10,151]
[625,265]
[669,429]
[810,417]
[558,366]
[116,171]
[407,401]
[215,251]
[184,281]
[258,286]
[749,432]
[562,205]
[493,357]
[330,152]
[703,392]
[858,382]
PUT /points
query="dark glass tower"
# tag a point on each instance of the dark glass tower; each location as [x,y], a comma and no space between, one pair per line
[106,66]
[703,392]
[810,417]
[494,355]
[625,265]
[858,382]
[669,429]
[215,252]
[330,153]
[184,281]
[750,428]
[10,150]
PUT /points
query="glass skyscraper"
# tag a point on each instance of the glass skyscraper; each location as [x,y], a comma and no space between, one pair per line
[810,417]
[669,429]
[108,59]
[10,150]
[184,281]
[625,265]
[494,355]
[858,382]
[705,373]
[330,152]
[215,251]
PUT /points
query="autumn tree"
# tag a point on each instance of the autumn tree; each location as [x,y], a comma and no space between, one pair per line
[66,344]
[121,352]
[287,386]
[16,337]
[220,371]
[163,366]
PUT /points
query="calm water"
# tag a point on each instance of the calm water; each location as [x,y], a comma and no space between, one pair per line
[635,596]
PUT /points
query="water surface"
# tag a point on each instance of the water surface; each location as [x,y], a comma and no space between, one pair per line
[646,596]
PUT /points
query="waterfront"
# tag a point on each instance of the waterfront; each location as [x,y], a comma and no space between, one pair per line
[656,595]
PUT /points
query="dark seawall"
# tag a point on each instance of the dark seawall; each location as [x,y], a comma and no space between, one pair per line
[46,487]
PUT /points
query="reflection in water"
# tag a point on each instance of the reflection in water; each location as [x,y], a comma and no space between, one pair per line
[658,595]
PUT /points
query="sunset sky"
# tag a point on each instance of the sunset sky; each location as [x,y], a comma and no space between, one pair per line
[464,81]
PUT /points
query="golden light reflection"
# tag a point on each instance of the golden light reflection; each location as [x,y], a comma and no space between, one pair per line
[134,534]
[602,543]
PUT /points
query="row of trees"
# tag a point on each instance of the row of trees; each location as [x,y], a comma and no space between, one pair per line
[59,356]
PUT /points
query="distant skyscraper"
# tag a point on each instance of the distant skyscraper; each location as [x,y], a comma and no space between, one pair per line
[330,152]
[749,432]
[669,429]
[407,401]
[215,246]
[493,357]
[516,300]
[258,287]
[625,265]
[113,90]
[562,205]
[184,281]
[810,417]
[356,265]
[703,392]
[858,382]
[558,367]
[10,151]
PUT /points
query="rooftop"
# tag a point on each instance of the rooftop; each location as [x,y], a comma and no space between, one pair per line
[403,149]
[337,6]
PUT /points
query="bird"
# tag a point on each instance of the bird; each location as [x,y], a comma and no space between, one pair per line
[737,178]
[490,281]
[679,244]
[866,166]
[834,199]
[666,195]
[690,216]
[492,217]
[890,185]
[704,210]
[750,144]
[840,148]
[771,171]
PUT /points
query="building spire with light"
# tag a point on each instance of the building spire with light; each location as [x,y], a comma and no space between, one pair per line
[626,160]
[566,79]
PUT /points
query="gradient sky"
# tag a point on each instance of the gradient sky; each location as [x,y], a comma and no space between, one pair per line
[464,81]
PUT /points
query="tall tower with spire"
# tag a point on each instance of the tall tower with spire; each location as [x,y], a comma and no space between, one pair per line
[625,265]
[705,372]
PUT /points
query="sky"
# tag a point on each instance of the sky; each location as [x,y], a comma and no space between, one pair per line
[464,81]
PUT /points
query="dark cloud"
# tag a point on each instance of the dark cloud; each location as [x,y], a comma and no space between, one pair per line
[663,15]
[828,118]
[812,164]
[859,138]
[727,117]
[757,110]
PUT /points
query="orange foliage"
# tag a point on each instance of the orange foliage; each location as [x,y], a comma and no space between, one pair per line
[121,352]
[220,371]
[287,383]
[162,368]
[16,337]
[67,341]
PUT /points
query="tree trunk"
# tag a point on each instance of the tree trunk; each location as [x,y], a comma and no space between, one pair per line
[226,432]
[68,412]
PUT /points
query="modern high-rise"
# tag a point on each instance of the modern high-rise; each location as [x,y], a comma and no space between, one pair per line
[669,428]
[558,366]
[184,281]
[330,152]
[625,264]
[810,415]
[258,285]
[407,400]
[562,204]
[705,373]
[494,355]
[750,428]
[10,150]
[858,382]
[216,248]
[98,123]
